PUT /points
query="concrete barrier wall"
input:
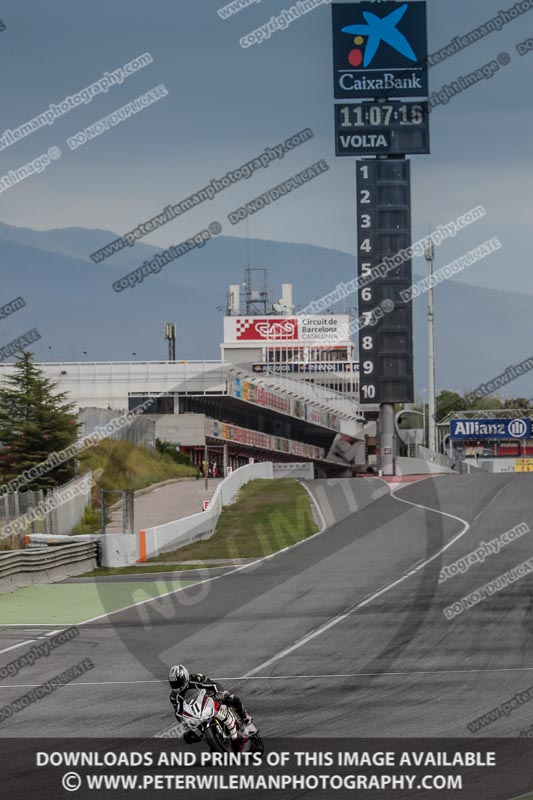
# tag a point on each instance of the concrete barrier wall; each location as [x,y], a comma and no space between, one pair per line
[181,532]
[118,549]
[496,464]
[417,466]
[455,464]
[45,564]
[435,458]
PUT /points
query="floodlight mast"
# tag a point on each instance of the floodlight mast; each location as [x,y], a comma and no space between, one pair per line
[430,255]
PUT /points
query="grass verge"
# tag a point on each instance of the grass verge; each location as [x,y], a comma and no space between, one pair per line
[267,516]
[90,522]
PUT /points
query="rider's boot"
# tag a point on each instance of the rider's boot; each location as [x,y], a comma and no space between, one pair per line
[248,726]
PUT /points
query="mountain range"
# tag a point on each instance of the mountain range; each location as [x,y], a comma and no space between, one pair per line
[70,300]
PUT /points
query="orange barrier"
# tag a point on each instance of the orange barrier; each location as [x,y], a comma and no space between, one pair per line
[142,547]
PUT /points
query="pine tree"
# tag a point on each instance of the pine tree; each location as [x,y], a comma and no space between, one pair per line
[35,421]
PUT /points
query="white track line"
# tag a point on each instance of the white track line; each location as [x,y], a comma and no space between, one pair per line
[341,617]
[377,674]
[32,624]
[14,646]
[46,625]
[314,501]
[85,683]
[354,675]
[31,641]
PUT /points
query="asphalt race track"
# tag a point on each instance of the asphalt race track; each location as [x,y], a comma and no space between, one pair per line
[343,635]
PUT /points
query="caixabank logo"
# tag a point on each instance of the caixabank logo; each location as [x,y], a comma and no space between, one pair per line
[380,50]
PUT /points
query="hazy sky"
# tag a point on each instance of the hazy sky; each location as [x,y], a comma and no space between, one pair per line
[225,104]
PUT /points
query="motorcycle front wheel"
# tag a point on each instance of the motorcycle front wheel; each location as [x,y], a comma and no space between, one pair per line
[217,741]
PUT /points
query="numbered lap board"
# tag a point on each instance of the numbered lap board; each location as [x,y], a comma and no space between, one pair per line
[383,237]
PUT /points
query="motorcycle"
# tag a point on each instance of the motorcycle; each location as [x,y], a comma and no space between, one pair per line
[217,724]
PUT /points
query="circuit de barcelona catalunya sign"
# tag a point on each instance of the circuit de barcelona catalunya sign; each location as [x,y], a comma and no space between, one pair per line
[311,329]
[379,50]
[490,428]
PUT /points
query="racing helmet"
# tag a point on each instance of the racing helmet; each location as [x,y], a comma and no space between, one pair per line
[178,677]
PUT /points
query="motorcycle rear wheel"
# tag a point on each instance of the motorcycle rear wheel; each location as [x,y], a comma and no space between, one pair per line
[257,745]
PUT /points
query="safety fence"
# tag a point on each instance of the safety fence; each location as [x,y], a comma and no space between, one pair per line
[56,511]
[140,431]
[15,504]
[299,471]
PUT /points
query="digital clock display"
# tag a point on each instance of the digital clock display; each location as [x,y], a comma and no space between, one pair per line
[378,115]
[388,128]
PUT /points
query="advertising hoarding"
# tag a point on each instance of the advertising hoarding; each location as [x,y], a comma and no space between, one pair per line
[379,50]
[261,396]
[308,329]
[490,428]
[308,368]
[265,441]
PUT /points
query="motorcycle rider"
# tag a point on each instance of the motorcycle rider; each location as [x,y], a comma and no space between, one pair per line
[180,679]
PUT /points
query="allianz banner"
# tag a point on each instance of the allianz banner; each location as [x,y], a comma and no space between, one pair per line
[490,428]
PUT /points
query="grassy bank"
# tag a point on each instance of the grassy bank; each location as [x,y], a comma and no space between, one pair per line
[267,516]
[130,466]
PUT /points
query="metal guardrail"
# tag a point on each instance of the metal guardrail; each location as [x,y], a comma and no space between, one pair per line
[299,471]
[44,539]
[44,558]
